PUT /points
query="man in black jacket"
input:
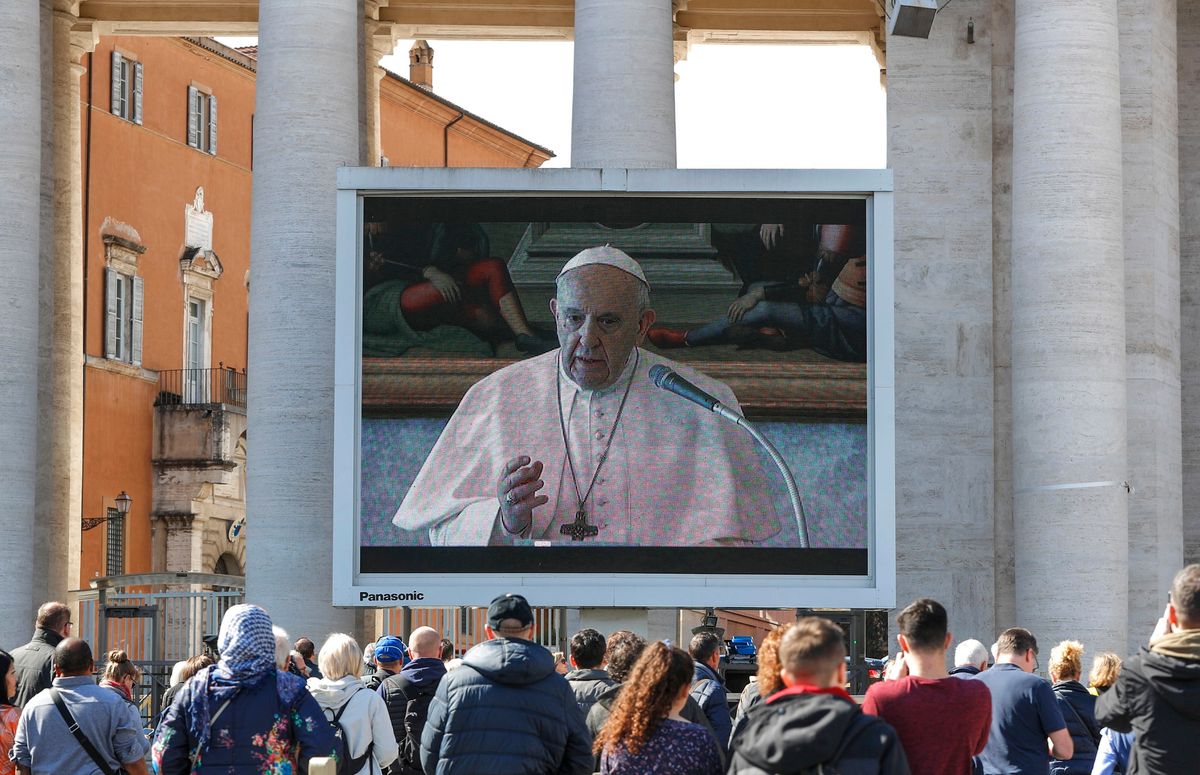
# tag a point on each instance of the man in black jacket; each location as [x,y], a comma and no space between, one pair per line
[1157,694]
[505,711]
[588,680]
[34,661]
[408,694]
[813,721]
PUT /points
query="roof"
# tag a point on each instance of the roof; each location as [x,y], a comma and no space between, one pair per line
[442,100]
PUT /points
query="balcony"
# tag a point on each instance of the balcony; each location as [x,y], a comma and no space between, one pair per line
[202,387]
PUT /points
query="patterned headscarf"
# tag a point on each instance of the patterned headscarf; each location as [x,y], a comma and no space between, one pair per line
[247,647]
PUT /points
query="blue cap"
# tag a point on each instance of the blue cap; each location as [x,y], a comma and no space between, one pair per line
[389,649]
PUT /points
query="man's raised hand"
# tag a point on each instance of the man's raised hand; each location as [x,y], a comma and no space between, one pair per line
[516,489]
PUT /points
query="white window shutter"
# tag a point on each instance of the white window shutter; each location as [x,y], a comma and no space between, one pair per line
[193,137]
[136,335]
[137,92]
[117,86]
[212,124]
[110,314]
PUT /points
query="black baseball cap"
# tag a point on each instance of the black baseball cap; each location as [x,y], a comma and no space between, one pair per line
[510,606]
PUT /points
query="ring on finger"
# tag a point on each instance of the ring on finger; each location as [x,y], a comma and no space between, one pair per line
[510,497]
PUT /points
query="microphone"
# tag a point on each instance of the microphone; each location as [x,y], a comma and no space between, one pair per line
[667,379]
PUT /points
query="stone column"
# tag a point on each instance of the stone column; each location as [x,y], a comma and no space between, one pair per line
[20,182]
[306,126]
[1150,111]
[1068,327]
[378,42]
[1188,74]
[60,368]
[623,106]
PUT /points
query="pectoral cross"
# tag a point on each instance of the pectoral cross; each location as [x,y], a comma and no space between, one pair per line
[579,529]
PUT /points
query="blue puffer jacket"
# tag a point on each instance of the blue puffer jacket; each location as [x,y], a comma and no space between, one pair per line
[256,733]
[505,712]
[1078,708]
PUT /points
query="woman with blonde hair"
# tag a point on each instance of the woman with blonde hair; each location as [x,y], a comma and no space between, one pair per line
[766,681]
[1078,708]
[645,733]
[1105,668]
[346,700]
[120,674]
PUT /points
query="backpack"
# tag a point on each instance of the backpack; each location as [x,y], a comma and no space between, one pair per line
[416,711]
[347,764]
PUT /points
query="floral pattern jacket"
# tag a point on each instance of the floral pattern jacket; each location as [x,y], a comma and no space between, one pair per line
[256,734]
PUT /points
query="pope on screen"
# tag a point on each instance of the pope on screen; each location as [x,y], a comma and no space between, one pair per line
[578,445]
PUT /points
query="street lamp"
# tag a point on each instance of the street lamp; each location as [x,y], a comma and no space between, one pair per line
[123,502]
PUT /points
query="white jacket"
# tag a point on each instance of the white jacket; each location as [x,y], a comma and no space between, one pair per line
[366,719]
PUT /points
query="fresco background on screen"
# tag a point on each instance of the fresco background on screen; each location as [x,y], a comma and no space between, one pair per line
[811,273]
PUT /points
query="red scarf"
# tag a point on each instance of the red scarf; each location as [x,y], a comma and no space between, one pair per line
[119,688]
[791,691]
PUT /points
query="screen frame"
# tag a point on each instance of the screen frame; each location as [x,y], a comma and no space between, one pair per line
[875,589]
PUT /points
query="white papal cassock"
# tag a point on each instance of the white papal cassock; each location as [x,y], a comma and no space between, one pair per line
[676,474]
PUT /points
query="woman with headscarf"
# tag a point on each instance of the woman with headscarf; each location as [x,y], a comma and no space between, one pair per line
[9,713]
[242,716]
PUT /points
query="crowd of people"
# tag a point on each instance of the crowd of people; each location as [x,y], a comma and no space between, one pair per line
[617,705]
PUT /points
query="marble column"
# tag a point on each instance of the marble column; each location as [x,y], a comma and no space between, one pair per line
[378,42]
[306,126]
[1150,139]
[60,368]
[1068,325]
[20,182]
[623,105]
[1188,74]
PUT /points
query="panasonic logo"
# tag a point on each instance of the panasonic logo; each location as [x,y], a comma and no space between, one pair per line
[390,597]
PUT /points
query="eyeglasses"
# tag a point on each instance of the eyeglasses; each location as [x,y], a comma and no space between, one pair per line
[1036,664]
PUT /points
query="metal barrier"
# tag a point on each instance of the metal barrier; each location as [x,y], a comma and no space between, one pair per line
[464,626]
[190,387]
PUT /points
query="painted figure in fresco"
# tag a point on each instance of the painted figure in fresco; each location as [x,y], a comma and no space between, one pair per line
[439,287]
[783,306]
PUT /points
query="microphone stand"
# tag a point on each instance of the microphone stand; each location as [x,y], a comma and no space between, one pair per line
[789,481]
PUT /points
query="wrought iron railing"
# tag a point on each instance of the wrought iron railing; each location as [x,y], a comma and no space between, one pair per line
[192,387]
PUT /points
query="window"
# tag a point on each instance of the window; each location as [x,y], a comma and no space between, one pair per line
[126,88]
[202,120]
[114,560]
[123,317]
[196,382]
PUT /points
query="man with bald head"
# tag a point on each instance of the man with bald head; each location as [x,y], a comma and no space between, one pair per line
[579,445]
[408,693]
[44,742]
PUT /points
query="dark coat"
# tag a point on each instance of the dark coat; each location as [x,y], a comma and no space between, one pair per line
[1078,707]
[794,731]
[965,671]
[34,663]
[419,678]
[505,711]
[597,717]
[710,694]
[1157,696]
[588,684]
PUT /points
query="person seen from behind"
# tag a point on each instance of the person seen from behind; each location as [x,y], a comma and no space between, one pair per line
[970,658]
[35,660]
[243,715]
[1025,712]
[1078,708]
[1157,693]
[346,701]
[813,722]
[308,652]
[505,711]
[9,712]
[76,726]
[766,681]
[918,690]
[1112,755]
[191,666]
[120,674]
[707,688]
[409,693]
[390,656]
[587,678]
[645,733]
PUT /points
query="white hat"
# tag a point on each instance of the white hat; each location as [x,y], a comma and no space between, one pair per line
[609,256]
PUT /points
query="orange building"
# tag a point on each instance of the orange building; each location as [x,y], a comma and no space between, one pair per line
[168,149]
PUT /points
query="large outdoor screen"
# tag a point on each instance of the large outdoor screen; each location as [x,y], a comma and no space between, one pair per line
[527,368]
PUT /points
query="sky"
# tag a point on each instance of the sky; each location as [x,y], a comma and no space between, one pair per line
[737,105]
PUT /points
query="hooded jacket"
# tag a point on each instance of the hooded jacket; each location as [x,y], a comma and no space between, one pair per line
[419,678]
[505,711]
[1078,708]
[365,718]
[598,715]
[1157,696]
[801,728]
[588,684]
